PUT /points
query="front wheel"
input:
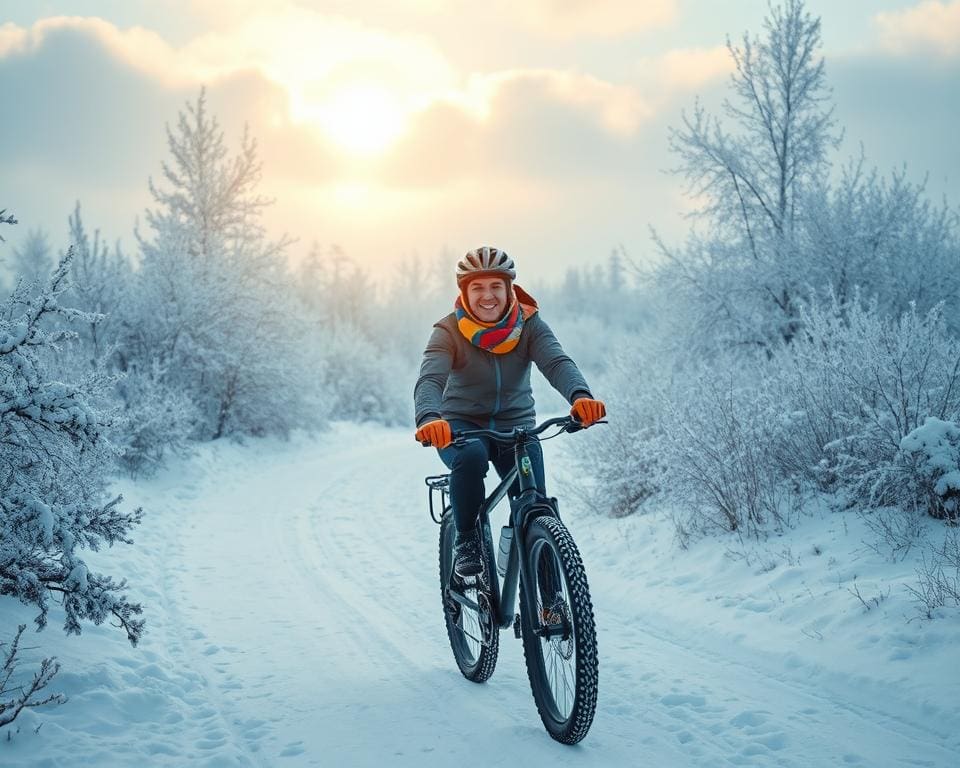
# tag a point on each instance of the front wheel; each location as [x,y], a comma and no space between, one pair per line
[473,634]
[559,636]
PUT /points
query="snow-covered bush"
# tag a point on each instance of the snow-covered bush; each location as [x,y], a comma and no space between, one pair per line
[720,447]
[155,419]
[938,575]
[857,405]
[861,383]
[884,238]
[934,452]
[360,381]
[621,460]
[53,460]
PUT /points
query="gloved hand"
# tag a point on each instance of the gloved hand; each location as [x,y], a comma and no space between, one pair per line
[588,411]
[436,433]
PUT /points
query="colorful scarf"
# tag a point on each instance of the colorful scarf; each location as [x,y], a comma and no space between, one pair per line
[502,336]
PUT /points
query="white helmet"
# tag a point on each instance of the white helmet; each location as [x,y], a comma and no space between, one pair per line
[485,261]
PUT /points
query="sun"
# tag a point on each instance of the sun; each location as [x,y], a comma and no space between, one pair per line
[365,119]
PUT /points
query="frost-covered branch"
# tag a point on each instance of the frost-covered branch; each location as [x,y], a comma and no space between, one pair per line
[15,696]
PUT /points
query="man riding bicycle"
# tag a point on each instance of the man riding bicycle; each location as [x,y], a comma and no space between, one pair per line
[476,372]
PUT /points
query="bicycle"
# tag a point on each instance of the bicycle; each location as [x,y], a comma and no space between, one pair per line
[537,556]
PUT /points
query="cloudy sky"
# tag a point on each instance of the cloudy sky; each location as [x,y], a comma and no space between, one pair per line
[401,127]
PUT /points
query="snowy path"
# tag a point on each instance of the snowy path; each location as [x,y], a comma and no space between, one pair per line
[299,623]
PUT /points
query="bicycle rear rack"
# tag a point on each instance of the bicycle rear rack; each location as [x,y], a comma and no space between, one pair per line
[439,483]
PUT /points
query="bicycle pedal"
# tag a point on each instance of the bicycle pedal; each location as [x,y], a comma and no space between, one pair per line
[516,626]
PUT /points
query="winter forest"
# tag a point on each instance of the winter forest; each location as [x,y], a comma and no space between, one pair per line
[777,489]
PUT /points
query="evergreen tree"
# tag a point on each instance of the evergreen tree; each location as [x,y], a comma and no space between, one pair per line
[216,297]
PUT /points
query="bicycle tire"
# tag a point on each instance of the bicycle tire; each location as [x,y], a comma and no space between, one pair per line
[566,714]
[476,661]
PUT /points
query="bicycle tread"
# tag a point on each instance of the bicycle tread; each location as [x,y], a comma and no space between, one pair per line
[587,672]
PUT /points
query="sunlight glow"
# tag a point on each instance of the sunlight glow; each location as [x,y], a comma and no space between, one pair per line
[357,84]
[364,119]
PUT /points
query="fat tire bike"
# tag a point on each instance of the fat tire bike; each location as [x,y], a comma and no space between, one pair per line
[536,556]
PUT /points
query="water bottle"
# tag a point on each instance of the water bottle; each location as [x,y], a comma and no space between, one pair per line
[503,555]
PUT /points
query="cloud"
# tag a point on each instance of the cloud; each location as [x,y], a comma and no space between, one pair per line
[525,123]
[688,68]
[931,26]
[568,19]
[141,48]
[552,19]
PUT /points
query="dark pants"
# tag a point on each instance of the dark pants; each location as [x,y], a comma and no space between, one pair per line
[468,466]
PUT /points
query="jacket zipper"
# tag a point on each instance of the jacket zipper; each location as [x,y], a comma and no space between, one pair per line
[496,402]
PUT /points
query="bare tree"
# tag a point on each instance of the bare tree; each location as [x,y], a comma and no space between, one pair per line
[751,179]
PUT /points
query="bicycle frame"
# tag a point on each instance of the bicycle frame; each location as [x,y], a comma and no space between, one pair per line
[526,504]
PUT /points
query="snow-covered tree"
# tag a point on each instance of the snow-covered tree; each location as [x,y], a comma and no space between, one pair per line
[214,302]
[32,261]
[53,460]
[752,178]
[776,228]
[99,282]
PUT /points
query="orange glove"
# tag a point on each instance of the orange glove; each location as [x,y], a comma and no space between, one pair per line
[588,411]
[436,433]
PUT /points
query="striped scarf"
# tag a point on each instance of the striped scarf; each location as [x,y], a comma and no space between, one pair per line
[502,336]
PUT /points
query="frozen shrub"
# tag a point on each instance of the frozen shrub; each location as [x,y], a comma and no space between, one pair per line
[934,452]
[18,693]
[720,446]
[360,380]
[864,382]
[621,460]
[156,419]
[938,575]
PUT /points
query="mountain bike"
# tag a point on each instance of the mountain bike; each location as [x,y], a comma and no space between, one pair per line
[537,557]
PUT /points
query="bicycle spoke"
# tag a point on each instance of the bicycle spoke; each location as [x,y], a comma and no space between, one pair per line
[474,646]
[558,652]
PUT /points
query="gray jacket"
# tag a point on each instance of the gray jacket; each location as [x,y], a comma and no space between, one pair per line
[460,381]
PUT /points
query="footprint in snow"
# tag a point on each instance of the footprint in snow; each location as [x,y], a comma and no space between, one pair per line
[293,749]
[682,699]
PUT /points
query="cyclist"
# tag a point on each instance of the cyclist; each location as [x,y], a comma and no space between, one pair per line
[476,372]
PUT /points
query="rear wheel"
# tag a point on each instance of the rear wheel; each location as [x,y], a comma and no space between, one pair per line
[559,636]
[474,638]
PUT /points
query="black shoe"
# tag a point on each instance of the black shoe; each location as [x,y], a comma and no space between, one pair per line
[466,555]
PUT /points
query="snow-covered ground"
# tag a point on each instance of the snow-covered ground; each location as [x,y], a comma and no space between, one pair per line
[294,619]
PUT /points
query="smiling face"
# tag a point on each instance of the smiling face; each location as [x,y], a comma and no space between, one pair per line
[487,297]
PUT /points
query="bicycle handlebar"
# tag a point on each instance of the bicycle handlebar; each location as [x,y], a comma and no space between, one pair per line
[568,424]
